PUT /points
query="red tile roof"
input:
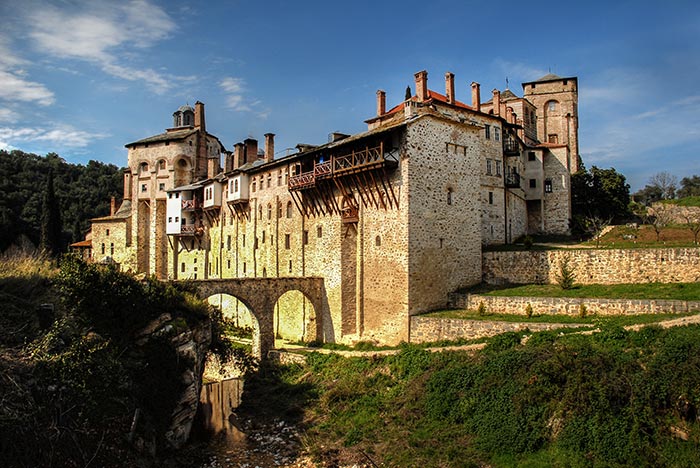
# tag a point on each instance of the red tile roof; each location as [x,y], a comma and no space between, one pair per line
[435,96]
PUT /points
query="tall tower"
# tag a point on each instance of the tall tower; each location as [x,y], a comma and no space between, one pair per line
[556,100]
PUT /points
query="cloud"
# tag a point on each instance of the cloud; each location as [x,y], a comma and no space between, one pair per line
[235,98]
[54,139]
[102,33]
[13,84]
[6,115]
[522,71]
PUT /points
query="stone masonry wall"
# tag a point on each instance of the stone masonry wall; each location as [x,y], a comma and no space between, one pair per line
[570,305]
[429,329]
[594,266]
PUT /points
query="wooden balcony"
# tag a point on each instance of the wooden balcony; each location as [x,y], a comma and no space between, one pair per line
[512,180]
[511,147]
[302,181]
[191,230]
[191,205]
[323,170]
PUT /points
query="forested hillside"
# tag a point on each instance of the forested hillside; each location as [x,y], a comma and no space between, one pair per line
[83,192]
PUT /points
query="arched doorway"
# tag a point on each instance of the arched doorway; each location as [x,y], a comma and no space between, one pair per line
[294,318]
[240,324]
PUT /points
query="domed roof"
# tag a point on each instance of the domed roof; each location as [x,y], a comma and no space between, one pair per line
[186,107]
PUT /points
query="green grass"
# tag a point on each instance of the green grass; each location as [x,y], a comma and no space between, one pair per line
[687,201]
[620,320]
[677,291]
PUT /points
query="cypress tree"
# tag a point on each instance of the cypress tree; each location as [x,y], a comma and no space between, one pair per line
[409,94]
[51,226]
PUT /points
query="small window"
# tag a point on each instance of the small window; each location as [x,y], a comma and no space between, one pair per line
[235,185]
[487,131]
[107,231]
[449,196]
[552,106]
[144,188]
[269,211]
[263,237]
[161,187]
[170,219]
[305,237]
[498,167]
[378,241]
[279,210]
[290,266]
[548,185]
[260,212]
[243,240]
[319,232]
[531,156]
[244,267]
[161,164]
[228,243]
[279,178]
[490,198]
[103,249]
[228,264]
[553,138]
[269,180]
[533,183]
[253,189]
[170,195]
[144,167]
[272,239]
[182,267]
[287,241]
[289,209]
[497,133]
[255,243]
[488,167]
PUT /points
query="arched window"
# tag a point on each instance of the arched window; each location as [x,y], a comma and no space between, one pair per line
[378,241]
[269,211]
[260,212]
[450,195]
[143,167]
[161,165]
[289,209]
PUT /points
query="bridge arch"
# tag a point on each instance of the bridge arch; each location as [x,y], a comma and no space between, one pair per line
[260,296]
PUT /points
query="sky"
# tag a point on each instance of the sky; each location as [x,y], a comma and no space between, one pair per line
[82,78]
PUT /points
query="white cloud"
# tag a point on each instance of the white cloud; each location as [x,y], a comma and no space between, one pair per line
[56,138]
[100,33]
[13,83]
[235,98]
[7,115]
[232,85]
[519,70]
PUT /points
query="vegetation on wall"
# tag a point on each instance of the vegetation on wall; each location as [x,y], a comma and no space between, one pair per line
[82,192]
[598,197]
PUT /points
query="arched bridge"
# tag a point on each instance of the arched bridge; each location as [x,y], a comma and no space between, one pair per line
[260,295]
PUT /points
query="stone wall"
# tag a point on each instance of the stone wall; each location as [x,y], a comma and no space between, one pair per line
[571,305]
[429,329]
[594,266]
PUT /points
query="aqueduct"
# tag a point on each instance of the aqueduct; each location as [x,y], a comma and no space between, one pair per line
[260,295]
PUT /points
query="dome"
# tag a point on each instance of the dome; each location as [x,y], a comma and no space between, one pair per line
[186,107]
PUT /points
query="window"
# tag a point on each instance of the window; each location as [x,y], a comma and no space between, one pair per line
[287,241]
[103,249]
[228,264]
[378,241]
[490,198]
[279,178]
[260,212]
[305,237]
[553,138]
[243,240]
[531,156]
[488,167]
[235,185]
[253,189]
[279,210]
[161,187]
[161,164]
[487,131]
[449,196]
[170,195]
[497,133]
[269,211]
[319,232]
[272,239]
[177,220]
[263,237]
[269,180]
[228,243]
[548,185]
[498,167]
[533,183]
[182,267]
[107,231]
[144,188]
[289,209]
[143,167]
[286,175]
[170,219]
[244,267]
[290,266]
[552,106]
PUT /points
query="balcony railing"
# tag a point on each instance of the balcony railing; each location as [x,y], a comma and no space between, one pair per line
[191,230]
[323,170]
[510,147]
[303,180]
[512,180]
[193,204]
[358,159]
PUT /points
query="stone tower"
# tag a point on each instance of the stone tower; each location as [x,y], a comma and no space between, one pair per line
[556,100]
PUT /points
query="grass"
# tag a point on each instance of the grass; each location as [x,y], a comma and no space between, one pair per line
[619,320]
[671,291]
[687,201]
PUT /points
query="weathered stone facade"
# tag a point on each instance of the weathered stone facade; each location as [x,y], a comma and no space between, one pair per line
[594,266]
[392,219]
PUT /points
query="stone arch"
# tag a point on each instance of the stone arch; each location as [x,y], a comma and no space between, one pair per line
[294,317]
[182,168]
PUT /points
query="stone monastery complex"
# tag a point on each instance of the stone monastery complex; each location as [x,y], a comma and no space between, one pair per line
[393,219]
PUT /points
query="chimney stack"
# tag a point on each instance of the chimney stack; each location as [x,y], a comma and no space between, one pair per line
[269,147]
[112,206]
[381,102]
[496,102]
[228,162]
[199,116]
[251,149]
[127,184]
[450,87]
[212,167]
[476,96]
[238,155]
[421,85]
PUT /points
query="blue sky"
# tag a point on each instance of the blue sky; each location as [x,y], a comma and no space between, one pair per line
[83,78]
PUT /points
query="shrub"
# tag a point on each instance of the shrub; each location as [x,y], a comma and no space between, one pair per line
[482,308]
[566,276]
[528,310]
[582,310]
[527,242]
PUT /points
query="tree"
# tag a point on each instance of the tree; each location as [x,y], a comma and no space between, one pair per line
[598,196]
[690,187]
[409,94]
[658,216]
[51,227]
[692,222]
[648,195]
[666,183]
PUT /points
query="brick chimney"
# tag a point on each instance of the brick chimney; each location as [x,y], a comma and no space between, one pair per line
[509,114]
[212,167]
[228,162]
[421,85]
[199,116]
[238,155]
[476,96]
[127,184]
[450,87]
[496,102]
[381,102]
[112,206]
[251,149]
[269,147]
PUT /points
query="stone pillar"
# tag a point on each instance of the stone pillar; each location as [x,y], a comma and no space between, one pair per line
[199,116]
[112,206]
[127,185]
[238,155]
